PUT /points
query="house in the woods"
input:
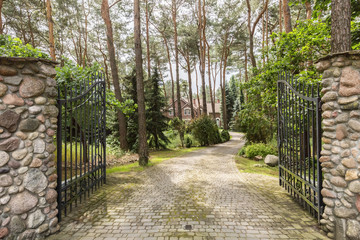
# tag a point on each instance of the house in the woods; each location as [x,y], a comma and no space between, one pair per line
[186,110]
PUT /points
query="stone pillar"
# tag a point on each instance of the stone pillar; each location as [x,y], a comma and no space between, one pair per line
[341,144]
[28,117]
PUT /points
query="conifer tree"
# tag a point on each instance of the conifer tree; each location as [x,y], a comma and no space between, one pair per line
[156,122]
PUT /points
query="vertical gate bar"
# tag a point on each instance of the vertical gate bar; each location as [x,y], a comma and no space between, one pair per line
[82,143]
[298,131]
[296,137]
[286,134]
[88,128]
[82,140]
[93,105]
[304,133]
[96,129]
[289,134]
[319,172]
[71,148]
[104,128]
[65,153]
[308,154]
[96,116]
[292,168]
[76,147]
[279,126]
[97,123]
[314,132]
[59,155]
[292,131]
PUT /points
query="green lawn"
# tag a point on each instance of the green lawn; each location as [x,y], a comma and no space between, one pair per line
[155,158]
[252,166]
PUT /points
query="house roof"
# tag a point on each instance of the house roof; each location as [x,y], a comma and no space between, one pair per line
[195,104]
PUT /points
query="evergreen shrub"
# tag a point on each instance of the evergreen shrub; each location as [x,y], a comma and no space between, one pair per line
[205,131]
[225,136]
[188,142]
[259,149]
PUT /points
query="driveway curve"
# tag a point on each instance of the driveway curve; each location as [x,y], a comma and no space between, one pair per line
[200,195]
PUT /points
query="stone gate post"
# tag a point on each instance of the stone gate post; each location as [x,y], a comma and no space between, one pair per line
[341,144]
[28,117]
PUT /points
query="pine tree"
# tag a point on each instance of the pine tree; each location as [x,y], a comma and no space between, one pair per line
[229,103]
[156,122]
[143,146]
[132,121]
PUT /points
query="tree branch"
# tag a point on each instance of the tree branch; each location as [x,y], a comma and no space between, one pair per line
[114,3]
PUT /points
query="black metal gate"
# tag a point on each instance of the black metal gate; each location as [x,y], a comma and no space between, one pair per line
[81,141]
[299,141]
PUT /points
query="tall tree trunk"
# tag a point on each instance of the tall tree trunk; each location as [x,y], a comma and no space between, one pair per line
[308,9]
[252,30]
[51,28]
[32,37]
[263,37]
[287,16]
[105,63]
[190,86]
[225,117]
[1,24]
[202,54]
[170,68]
[147,39]
[85,37]
[114,72]
[178,94]
[214,74]
[267,35]
[280,16]
[209,75]
[251,47]
[143,147]
[222,87]
[340,26]
[246,65]
[197,91]
[172,79]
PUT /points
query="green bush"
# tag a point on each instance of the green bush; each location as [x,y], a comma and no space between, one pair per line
[13,47]
[205,131]
[241,151]
[188,142]
[225,136]
[259,149]
[256,126]
[179,126]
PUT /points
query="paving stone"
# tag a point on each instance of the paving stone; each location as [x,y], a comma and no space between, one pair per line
[203,189]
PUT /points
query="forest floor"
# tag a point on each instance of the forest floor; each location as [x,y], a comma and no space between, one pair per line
[199,195]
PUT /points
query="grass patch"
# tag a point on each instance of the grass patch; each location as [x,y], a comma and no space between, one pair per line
[155,158]
[259,167]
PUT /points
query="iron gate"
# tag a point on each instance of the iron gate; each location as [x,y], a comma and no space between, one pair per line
[299,141]
[81,141]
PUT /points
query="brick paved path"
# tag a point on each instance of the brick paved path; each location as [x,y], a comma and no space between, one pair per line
[202,189]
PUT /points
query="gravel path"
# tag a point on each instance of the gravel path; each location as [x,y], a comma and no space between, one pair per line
[201,195]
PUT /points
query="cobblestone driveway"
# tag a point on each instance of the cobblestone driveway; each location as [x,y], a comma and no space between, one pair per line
[203,190]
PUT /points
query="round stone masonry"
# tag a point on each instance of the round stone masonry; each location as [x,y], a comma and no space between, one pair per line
[340,158]
[27,180]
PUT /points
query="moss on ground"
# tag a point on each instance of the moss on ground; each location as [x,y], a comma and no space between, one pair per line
[252,166]
[156,157]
